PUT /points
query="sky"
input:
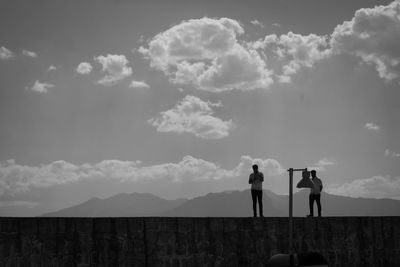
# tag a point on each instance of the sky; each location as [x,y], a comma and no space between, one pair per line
[179,98]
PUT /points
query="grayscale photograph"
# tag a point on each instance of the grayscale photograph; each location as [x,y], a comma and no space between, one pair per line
[200,133]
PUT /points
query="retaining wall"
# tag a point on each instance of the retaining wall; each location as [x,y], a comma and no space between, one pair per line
[159,241]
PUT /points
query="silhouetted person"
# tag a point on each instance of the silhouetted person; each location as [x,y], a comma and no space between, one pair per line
[315,193]
[256,179]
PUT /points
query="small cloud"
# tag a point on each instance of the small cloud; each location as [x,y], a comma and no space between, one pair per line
[284,79]
[257,23]
[371,126]
[84,68]
[276,24]
[195,116]
[5,53]
[322,164]
[115,68]
[390,153]
[51,68]
[29,53]
[139,84]
[270,167]
[40,87]
[141,39]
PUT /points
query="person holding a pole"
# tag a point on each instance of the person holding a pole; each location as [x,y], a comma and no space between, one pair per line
[315,193]
[255,179]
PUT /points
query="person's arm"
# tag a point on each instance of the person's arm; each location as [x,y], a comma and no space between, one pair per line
[320,185]
[262,176]
[250,179]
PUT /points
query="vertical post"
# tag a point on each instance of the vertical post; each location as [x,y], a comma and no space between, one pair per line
[291,216]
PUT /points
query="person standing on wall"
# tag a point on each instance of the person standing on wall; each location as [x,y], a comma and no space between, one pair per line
[315,193]
[255,179]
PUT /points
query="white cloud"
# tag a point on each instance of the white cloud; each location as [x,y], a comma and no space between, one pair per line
[373,35]
[374,187]
[84,68]
[51,68]
[257,23]
[16,179]
[40,87]
[269,167]
[322,164]
[139,84]
[115,68]
[371,126]
[29,53]
[207,53]
[141,39]
[295,51]
[390,153]
[5,53]
[195,116]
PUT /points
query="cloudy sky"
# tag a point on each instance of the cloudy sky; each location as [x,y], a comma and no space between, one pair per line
[179,98]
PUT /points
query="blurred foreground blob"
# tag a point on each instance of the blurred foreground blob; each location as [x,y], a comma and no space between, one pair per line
[305,181]
[301,259]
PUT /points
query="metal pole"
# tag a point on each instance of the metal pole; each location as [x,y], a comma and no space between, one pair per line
[291,216]
[291,170]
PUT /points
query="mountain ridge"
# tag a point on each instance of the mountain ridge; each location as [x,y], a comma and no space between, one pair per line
[226,204]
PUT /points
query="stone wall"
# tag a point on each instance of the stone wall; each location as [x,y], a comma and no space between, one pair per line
[344,241]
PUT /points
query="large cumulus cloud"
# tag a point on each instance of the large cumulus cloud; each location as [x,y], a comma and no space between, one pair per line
[294,51]
[208,54]
[373,35]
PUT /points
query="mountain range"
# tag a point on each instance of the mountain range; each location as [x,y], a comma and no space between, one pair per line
[226,204]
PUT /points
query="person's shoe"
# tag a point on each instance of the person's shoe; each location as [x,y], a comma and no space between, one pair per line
[254,216]
[262,216]
[310,216]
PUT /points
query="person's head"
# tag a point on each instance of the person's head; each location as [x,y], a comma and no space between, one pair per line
[305,174]
[313,173]
[255,168]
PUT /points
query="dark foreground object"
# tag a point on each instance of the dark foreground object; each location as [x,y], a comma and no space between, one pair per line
[342,241]
[306,259]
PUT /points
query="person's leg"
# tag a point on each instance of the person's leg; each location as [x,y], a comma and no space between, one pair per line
[260,204]
[311,203]
[318,200]
[254,198]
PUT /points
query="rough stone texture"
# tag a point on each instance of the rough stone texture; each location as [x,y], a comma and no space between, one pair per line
[343,241]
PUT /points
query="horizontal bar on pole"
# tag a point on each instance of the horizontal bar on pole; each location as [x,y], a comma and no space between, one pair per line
[298,170]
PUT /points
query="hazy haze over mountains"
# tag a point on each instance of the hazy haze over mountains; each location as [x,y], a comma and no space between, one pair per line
[121,205]
[226,204]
